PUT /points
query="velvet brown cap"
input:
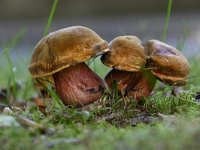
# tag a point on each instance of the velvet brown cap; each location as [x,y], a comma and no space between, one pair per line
[167,63]
[63,48]
[126,53]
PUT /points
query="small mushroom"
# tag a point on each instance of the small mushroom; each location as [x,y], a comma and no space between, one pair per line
[127,56]
[61,55]
[167,63]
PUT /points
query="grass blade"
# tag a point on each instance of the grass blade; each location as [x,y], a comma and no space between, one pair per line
[6,52]
[169,6]
[16,39]
[51,16]
[54,96]
[182,38]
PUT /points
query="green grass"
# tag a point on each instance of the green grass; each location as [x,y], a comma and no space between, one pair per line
[169,10]
[114,127]
[161,121]
[50,19]
[181,135]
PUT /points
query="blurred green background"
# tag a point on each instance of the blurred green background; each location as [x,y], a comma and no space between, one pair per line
[40,8]
[109,18]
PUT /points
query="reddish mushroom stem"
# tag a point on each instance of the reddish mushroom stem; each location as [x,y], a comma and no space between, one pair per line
[78,85]
[121,77]
[132,84]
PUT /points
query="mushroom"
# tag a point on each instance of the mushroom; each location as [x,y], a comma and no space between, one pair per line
[127,56]
[167,63]
[61,55]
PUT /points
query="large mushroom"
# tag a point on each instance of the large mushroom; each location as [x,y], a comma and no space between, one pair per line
[167,63]
[62,55]
[127,57]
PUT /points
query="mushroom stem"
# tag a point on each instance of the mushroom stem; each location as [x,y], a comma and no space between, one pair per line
[132,84]
[78,85]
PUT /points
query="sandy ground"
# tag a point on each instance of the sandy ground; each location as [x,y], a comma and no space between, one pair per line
[145,27]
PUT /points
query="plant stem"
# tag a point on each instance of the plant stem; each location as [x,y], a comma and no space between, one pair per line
[53,9]
[55,97]
[169,6]
[13,78]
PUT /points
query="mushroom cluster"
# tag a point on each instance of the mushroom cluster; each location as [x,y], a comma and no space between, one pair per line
[127,57]
[136,66]
[61,55]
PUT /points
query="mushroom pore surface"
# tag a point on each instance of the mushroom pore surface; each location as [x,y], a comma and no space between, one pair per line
[78,85]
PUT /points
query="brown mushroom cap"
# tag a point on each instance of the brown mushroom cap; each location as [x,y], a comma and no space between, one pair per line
[65,47]
[127,54]
[168,64]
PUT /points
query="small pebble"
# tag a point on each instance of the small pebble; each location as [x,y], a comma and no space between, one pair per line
[7,110]
[8,121]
